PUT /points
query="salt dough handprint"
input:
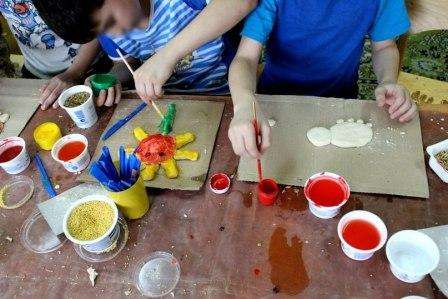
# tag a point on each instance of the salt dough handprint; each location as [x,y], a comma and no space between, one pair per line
[343,134]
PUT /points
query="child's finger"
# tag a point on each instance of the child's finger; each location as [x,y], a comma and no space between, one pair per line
[46,93]
[158,90]
[266,137]
[401,110]
[51,98]
[43,87]
[410,114]
[87,82]
[101,98]
[140,87]
[110,97]
[149,87]
[398,101]
[250,143]
[117,93]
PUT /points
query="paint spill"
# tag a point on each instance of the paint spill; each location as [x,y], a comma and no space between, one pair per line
[292,199]
[288,273]
[257,271]
[247,199]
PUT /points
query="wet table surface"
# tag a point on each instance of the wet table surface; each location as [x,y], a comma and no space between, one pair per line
[228,246]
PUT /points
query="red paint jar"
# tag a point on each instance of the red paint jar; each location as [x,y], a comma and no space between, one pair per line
[267,192]
[219,183]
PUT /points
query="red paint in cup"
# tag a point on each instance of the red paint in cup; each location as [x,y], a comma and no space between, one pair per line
[361,234]
[219,183]
[10,153]
[327,191]
[71,150]
[267,192]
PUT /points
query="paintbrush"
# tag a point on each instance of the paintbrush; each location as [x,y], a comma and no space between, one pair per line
[132,72]
[257,140]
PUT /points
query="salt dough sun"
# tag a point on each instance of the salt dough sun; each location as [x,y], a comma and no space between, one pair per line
[163,150]
[343,134]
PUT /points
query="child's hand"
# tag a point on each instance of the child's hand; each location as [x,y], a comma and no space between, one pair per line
[152,75]
[51,90]
[242,132]
[399,101]
[108,97]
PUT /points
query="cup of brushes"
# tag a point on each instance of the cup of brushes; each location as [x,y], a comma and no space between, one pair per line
[123,182]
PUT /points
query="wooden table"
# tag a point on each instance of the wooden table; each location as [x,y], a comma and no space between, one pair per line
[225,243]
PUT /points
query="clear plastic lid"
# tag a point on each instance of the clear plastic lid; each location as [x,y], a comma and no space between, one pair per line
[37,236]
[112,252]
[157,274]
[15,191]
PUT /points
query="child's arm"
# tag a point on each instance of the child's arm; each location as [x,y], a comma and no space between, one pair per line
[217,18]
[243,82]
[75,73]
[385,64]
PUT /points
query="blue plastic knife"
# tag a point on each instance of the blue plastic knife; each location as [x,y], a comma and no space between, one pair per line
[123,121]
[44,178]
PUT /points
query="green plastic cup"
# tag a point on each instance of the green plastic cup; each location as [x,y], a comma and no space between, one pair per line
[102,81]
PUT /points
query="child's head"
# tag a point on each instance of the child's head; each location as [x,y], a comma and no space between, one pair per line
[80,21]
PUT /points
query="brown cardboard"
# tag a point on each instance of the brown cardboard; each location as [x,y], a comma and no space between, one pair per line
[199,117]
[392,163]
[20,99]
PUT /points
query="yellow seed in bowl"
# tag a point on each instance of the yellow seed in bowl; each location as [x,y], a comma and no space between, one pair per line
[90,220]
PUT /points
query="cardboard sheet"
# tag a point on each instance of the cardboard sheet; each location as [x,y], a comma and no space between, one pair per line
[55,208]
[199,117]
[19,98]
[439,234]
[392,163]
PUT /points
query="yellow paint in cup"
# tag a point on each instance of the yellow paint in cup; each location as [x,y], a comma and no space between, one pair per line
[46,135]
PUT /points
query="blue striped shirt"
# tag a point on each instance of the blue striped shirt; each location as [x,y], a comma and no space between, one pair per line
[202,71]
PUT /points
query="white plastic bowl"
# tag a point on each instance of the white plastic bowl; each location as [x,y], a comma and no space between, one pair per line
[412,255]
[103,242]
[432,151]
[355,253]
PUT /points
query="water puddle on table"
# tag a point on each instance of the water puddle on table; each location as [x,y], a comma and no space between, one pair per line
[288,272]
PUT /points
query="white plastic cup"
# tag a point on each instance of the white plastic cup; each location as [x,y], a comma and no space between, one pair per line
[325,212]
[355,253]
[21,161]
[412,255]
[104,242]
[83,115]
[77,164]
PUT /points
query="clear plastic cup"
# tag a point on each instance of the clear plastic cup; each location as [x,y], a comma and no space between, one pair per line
[412,255]
[20,162]
[83,115]
[355,253]
[78,163]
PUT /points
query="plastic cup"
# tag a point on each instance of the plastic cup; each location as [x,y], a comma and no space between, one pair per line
[104,242]
[46,135]
[133,202]
[355,253]
[76,164]
[219,183]
[267,192]
[412,255]
[101,82]
[83,115]
[320,211]
[20,162]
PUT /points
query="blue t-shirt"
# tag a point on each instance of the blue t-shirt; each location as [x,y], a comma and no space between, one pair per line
[202,71]
[314,47]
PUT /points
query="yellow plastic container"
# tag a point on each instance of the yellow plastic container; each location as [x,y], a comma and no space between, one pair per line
[133,202]
[46,135]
